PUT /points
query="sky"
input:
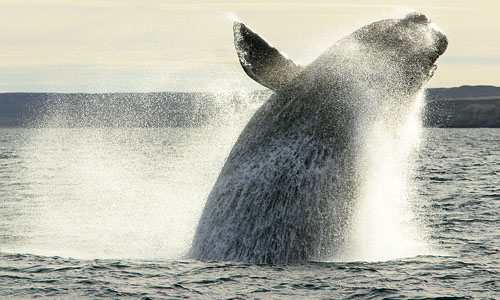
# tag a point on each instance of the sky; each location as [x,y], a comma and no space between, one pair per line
[187,45]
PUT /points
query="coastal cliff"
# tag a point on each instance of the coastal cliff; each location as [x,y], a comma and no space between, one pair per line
[465,106]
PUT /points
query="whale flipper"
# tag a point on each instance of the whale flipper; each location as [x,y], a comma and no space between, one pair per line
[261,61]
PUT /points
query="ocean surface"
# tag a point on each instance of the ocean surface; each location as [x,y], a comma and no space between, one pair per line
[109,214]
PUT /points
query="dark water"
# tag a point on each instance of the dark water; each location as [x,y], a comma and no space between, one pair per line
[133,249]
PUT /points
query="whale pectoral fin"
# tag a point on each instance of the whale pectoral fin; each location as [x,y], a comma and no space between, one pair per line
[261,61]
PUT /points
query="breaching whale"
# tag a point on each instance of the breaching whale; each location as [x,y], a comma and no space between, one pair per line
[286,191]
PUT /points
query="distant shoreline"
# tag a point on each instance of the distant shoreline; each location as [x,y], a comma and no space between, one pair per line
[457,107]
[463,107]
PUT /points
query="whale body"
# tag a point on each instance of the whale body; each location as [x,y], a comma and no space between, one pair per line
[286,191]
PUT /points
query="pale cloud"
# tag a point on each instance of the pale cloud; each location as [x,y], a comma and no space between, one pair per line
[76,45]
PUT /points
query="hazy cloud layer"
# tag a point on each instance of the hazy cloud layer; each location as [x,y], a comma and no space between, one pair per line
[132,45]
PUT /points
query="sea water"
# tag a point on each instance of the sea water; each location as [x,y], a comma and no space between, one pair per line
[110,213]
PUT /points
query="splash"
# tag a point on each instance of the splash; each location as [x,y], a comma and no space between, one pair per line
[101,188]
[384,223]
[94,187]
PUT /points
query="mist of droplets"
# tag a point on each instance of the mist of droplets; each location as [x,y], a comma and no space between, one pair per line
[384,223]
[105,181]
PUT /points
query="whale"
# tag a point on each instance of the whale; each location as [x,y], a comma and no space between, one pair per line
[288,186]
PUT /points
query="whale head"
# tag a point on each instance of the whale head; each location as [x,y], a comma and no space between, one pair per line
[393,55]
[409,47]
